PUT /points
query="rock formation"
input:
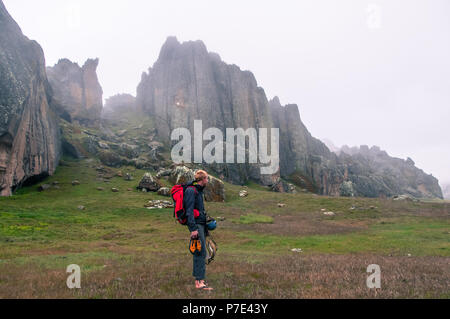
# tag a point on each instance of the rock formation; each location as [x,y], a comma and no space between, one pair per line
[149,183]
[77,94]
[29,136]
[187,83]
[374,173]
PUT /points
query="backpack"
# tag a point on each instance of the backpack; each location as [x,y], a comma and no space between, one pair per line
[177,195]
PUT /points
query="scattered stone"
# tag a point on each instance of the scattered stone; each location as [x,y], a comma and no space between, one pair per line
[43,187]
[128,177]
[282,187]
[296,250]
[243,193]
[114,190]
[405,197]
[81,207]
[322,209]
[220,218]
[329,213]
[372,207]
[129,189]
[164,191]
[149,183]
[119,174]
[56,187]
[75,182]
[281,205]
[103,145]
[55,183]
[100,189]
[158,204]
[409,255]
[144,190]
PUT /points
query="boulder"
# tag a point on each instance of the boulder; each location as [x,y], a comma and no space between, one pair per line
[215,190]
[128,150]
[281,186]
[149,183]
[243,193]
[110,159]
[164,191]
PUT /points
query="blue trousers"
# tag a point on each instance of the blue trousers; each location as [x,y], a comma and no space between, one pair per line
[199,265]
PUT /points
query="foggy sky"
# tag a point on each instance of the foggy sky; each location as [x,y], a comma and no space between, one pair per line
[362,72]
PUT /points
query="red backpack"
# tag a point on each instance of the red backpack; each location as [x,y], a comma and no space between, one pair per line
[177,195]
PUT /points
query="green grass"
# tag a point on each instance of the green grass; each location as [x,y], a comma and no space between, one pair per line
[253,219]
[419,237]
[115,233]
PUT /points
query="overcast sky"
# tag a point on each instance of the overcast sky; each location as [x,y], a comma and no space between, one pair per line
[362,72]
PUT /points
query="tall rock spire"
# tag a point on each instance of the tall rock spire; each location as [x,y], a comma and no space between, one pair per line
[29,135]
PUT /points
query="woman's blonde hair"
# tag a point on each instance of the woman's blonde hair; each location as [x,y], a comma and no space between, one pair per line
[200,174]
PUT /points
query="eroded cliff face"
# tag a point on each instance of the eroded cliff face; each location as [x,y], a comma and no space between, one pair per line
[29,136]
[77,94]
[189,83]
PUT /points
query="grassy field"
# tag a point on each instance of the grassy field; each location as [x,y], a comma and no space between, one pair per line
[127,251]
